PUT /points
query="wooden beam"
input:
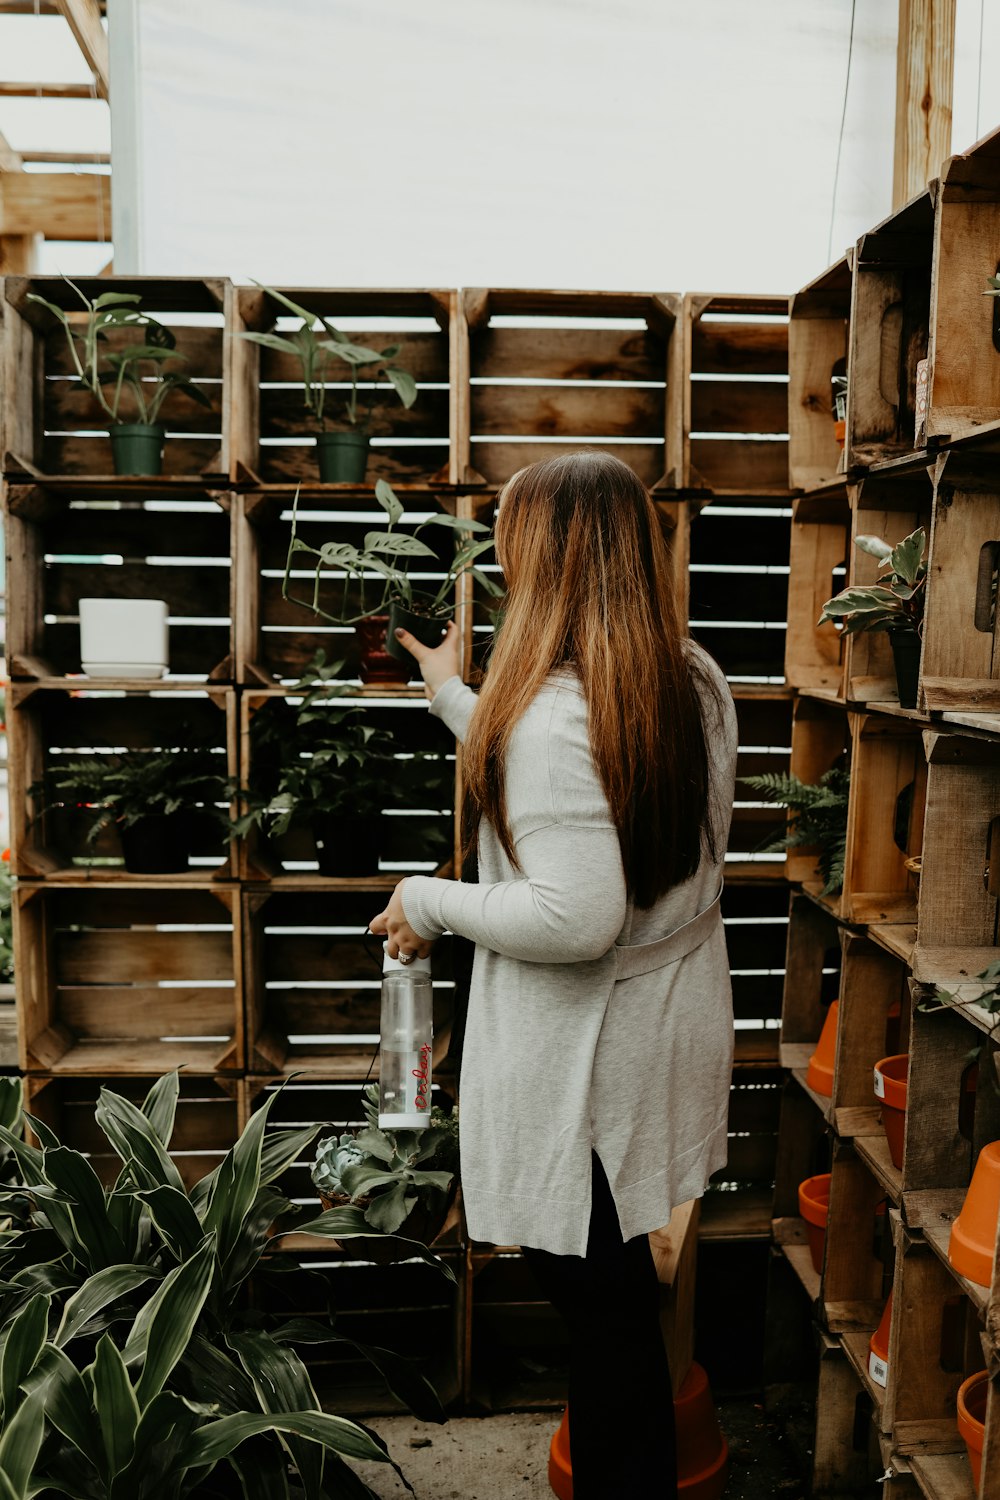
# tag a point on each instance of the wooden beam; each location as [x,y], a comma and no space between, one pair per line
[10,160]
[925,67]
[69,158]
[48,91]
[60,205]
[84,19]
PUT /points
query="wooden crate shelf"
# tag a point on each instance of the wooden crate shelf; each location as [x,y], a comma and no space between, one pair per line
[818,569]
[273,433]
[846,1455]
[818,344]
[53,721]
[890,316]
[739,587]
[52,426]
[812,980]
[125,980]
[873,1018]
[933,1213]
[61,548]
[551,371]
[857,1267]
[821,740]
[790,1235]
[943,1476]
[885,818]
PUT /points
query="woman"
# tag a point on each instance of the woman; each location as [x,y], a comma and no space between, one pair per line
[599,764]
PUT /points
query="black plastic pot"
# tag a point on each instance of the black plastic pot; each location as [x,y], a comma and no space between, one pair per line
[348,846]
[906,656]
[157,845]
[428,631]
[342,457]
[137,448]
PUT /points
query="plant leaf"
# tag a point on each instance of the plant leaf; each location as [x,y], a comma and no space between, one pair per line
[132,1134]
[178,1304]
[160,1105]
[116,1403]
[70,1172]
[96,1293]
[218,1439]
[389,501]
[282,1383]
[23,1344]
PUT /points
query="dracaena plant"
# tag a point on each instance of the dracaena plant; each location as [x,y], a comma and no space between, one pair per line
[896,601]
[384,559]
[817,816]
[132,1366]
[148,368]
[317,344]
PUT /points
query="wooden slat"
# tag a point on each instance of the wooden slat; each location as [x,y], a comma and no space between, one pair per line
[60,205]
[128,956]
[568,354]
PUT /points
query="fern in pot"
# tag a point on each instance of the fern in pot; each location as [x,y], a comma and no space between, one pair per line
[817,818]
[895,605]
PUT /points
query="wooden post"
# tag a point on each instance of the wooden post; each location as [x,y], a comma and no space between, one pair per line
[925,65]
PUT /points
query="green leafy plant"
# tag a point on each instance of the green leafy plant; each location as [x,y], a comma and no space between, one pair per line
[133,1367]
[389,1171]
[148,367]
[317,345]
[818,815]
[387,555]
[987,999]
[896,602]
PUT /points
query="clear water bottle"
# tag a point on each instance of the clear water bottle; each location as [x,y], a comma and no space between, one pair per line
[407,1039]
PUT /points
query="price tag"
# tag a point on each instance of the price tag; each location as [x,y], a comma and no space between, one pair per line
[878,1369]
[879,1085]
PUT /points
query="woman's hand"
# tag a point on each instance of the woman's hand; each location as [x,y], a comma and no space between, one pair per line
[393,925]
[437,663]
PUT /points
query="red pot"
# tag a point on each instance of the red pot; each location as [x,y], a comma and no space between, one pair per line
[377,666]
[814,1206]
[890,1091]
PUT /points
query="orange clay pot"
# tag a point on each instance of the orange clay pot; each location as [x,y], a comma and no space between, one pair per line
[702,1451]
[819,1076]
[890,1091]
[974,1232]
[814,1206]
[971,1406]
[840,432]
[878,1347]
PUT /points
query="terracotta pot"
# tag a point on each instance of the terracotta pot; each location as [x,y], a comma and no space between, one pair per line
[814,1206]
[702,1450]
[878,1347]
[971,1416]
[423,1222]
[890,1091]
[377,666]
[819,1076]
[840,431]
[974,1232]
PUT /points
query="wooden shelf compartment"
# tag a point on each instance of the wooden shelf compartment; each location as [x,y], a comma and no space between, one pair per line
[791,1238]
[821,739]
[818,569]
[419,831]
[964,348]
[733,432]
[933,1213]
[847,1458]
[548,372]
[812,981]
[205,1124]
[312,984]
[857,1269]
[61,548]
[129,980]
[755,920]
[885,818]
[873,1019]
[943,1476]
[764,727]
[890,316]
[738,595]
[272,431]
[890,504]
[873,1149]
[960,659]
[52,426]
[51,723]
[818,345]
[754,1106]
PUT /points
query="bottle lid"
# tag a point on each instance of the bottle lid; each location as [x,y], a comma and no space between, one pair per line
[392,965]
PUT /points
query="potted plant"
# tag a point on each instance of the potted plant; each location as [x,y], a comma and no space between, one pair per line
[142,1367]
[153,798]
[147,369]
[981,993]
[818,815]
[404,1180]
[317,344]
[895,604]
[386,556]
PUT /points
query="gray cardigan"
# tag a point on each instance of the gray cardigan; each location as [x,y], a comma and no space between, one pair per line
[562,1053]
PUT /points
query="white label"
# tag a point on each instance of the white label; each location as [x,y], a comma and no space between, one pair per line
[878,1369]
[879,1085]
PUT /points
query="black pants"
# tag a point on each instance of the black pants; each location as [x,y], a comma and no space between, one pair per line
[621,1410]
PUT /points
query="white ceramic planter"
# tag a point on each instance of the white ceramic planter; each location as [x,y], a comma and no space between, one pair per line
[123,637]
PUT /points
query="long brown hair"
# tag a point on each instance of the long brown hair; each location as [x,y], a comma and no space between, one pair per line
[589,584]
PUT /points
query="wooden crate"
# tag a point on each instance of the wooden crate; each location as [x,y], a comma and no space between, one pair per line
[419,836]
[889,504]
[885,818]
[205,1124]
[890,315]
[63,545]
[51,425]
[276,637]
[764,722]
[312,983]
[964,351]
[960,660]
[846,1458]
[755,915]
[734,417]
[821,740]
[857,1270]
[739,583]
[129,980]
[818,566]
[547,372]
[50,722]
[812,980]
[873,1022]
[819,318]
[272,432]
